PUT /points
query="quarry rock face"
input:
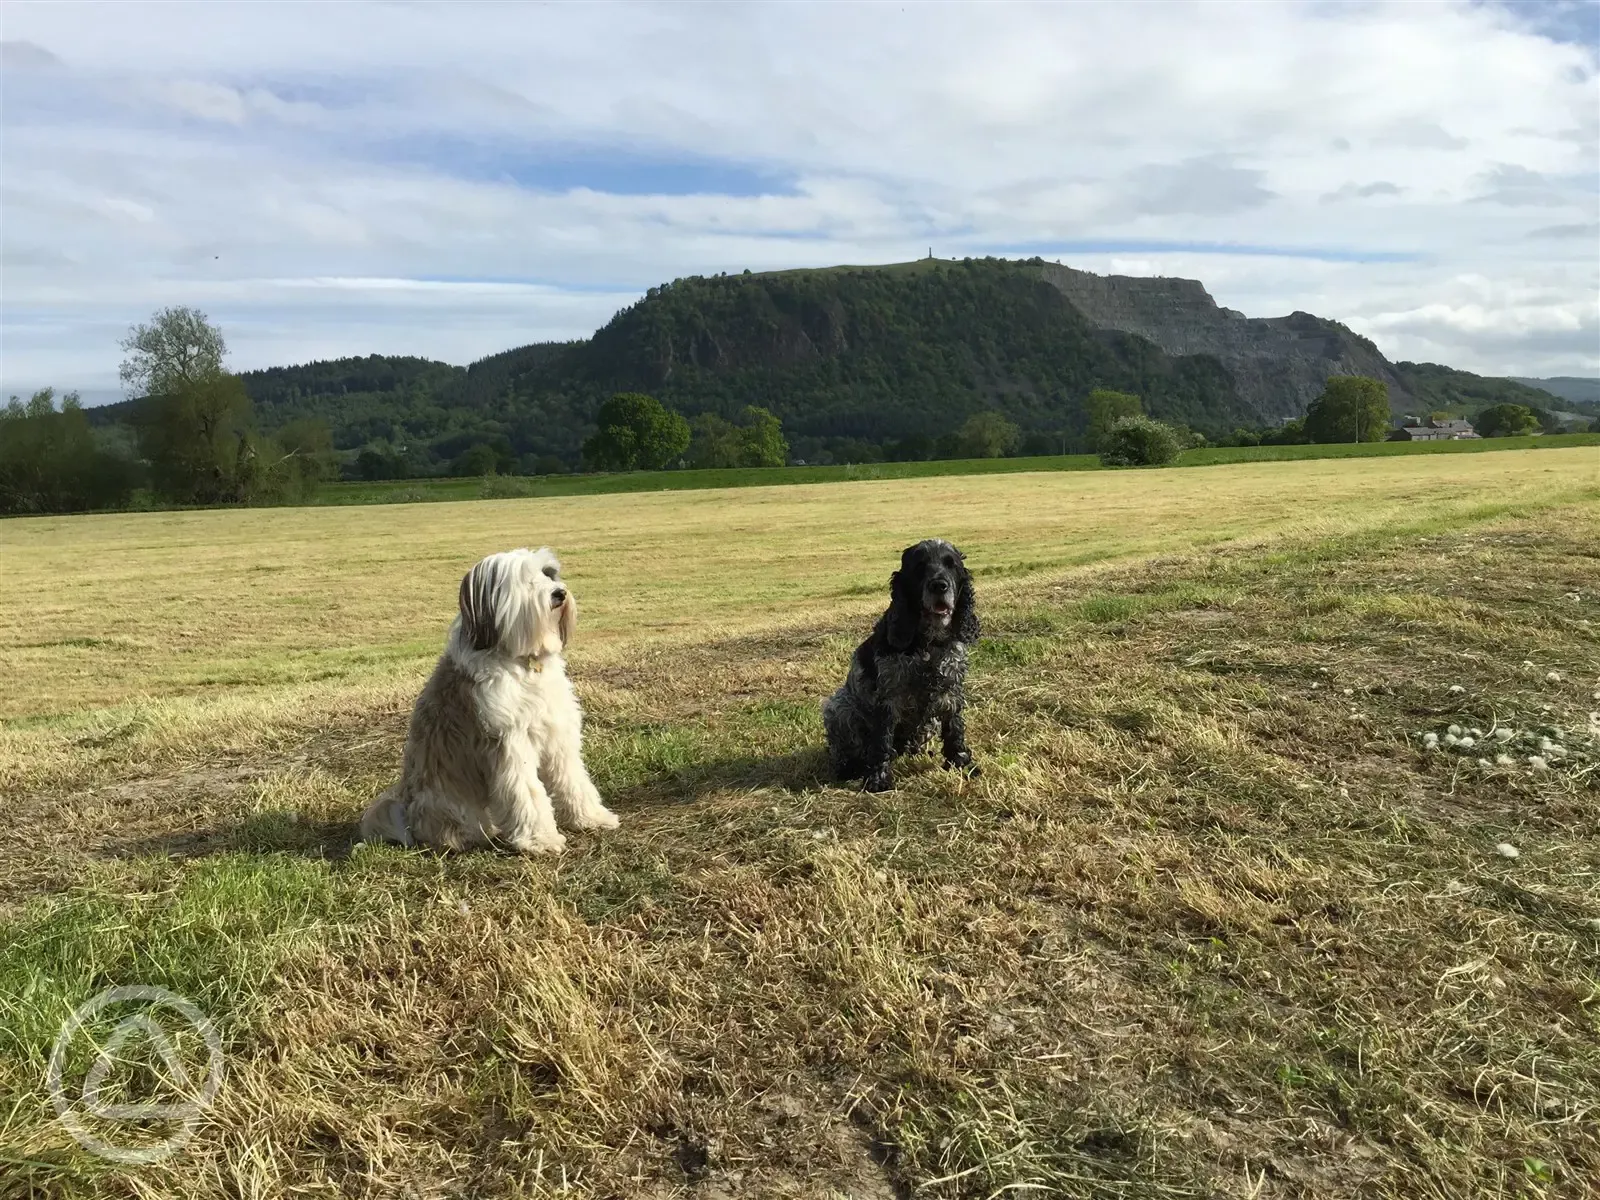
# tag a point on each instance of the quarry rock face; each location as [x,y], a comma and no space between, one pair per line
[1279,364]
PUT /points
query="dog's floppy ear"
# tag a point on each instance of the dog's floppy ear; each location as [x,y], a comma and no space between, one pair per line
[569,619]
[966,622]
[477,608]
[905,602]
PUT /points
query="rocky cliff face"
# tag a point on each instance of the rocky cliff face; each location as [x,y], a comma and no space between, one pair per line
[1279,364]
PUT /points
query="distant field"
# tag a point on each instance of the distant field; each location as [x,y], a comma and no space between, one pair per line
[1216,455]
[511,486]
[408,491]
[1211,923]
[107,609]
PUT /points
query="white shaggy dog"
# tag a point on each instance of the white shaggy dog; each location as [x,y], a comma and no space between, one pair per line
[497,732]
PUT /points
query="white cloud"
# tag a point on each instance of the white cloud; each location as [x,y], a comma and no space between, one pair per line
[208,101]
[1363,191]
[490,158]
[131,209]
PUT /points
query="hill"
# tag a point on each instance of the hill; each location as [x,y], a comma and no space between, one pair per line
[1278,364]
[878,354]
[1443,389]
[849,359]
[1575,389]
[861,363]
[1435,388]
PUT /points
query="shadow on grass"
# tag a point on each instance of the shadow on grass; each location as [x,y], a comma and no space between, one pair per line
[333,840]
[262,833]
[286,833]
[799,771]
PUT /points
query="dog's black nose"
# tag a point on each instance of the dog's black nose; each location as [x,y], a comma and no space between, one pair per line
[558,597]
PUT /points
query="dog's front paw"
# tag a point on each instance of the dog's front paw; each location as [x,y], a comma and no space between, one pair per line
[544,843]
[961,761]
[598,817]
[881,780]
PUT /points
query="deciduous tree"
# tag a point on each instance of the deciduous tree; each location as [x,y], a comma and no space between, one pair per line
[1103,408]
[176,349]
[1139,442]
[1352,408]
[761,439]
[714,442]
[299,458]
[195,422]
[636,433]
[50,460]
[200,442]
[988,435]
[1507,420]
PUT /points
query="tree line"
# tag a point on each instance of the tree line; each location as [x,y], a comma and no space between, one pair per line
[190,438]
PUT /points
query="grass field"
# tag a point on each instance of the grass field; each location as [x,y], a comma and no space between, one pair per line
[1212,921]
[414,490]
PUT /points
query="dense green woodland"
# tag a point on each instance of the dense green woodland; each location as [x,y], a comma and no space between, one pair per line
[1569,387]
[857,364]
[1443,389]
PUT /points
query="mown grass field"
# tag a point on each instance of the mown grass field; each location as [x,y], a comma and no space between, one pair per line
[414,490]
[1211,923]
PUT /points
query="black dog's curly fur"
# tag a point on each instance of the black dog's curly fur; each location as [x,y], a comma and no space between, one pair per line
[907,677]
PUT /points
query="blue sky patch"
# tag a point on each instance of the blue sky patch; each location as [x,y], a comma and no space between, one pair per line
[617,171]
[1573,21]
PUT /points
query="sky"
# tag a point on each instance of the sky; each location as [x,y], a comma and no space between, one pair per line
[451,180]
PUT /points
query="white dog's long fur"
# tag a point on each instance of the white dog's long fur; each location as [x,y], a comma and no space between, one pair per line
[496,734]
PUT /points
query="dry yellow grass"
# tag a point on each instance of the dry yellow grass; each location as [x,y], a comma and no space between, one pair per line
[1209,924]
[100,610]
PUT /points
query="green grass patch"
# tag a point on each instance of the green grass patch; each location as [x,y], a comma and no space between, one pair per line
[624,758]
[1001,651]
[1115,608]
[215,935]
[788,716]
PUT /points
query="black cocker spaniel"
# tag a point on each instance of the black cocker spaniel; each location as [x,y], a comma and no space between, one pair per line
[907,677]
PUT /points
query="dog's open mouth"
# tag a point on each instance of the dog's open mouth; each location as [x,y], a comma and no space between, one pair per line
[942,611]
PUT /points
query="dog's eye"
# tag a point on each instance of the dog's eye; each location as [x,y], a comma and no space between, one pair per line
[551,572]
[949,562]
